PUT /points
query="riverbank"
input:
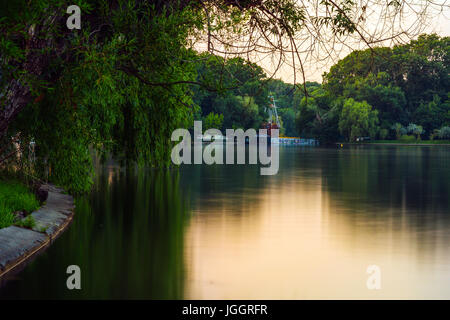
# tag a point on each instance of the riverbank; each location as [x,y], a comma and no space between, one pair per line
[19,245]
[400,143]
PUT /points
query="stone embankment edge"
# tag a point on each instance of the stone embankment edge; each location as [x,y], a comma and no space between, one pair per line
[18,246]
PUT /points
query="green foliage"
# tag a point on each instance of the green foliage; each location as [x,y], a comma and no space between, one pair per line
[288,115]
[6,216]
[399,130]
[122,93]
[382,95]
[27,222]
[407,83]
[213,120]
[239,94]
[407,139]
[444,133]
[129,77]
[383,133]
[430,115]
[15,196]
[415,130]
[357,120]
[319,115]
[339,18]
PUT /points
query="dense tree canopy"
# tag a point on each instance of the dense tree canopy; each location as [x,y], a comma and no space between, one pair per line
[357,119]
[239,94]
[132,74]
[406,84]
[102,87]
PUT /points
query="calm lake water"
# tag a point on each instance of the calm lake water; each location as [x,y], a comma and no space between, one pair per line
[226,232]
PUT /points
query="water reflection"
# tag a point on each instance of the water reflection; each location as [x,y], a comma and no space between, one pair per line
[127,238]
[226,232]
[311,231]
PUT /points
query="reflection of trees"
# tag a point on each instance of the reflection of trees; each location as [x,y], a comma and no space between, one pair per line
[408,177]
[383,194]
[207,184]
[127,237]
[236,187]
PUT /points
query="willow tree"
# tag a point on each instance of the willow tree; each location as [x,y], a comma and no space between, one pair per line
[123,81]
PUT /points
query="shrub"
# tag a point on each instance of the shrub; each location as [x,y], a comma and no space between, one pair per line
[383,133]
[6,216]
[407,139]
[434,134]
[444,133]
[27,222]
[415,129]
[357,119]
[15,196]
[399,130]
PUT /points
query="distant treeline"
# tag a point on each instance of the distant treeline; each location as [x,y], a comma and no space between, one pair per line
[382,93]
[235,95]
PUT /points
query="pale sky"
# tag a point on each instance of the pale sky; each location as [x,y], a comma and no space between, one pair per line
[319,49]
[440,25]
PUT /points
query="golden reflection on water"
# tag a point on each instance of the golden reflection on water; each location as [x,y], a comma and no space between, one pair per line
[292,240]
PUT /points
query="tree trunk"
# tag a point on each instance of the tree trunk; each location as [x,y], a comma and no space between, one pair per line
[18,94]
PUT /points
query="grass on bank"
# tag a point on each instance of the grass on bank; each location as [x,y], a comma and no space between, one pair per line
[400,141]
[15,196]
[405,139]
